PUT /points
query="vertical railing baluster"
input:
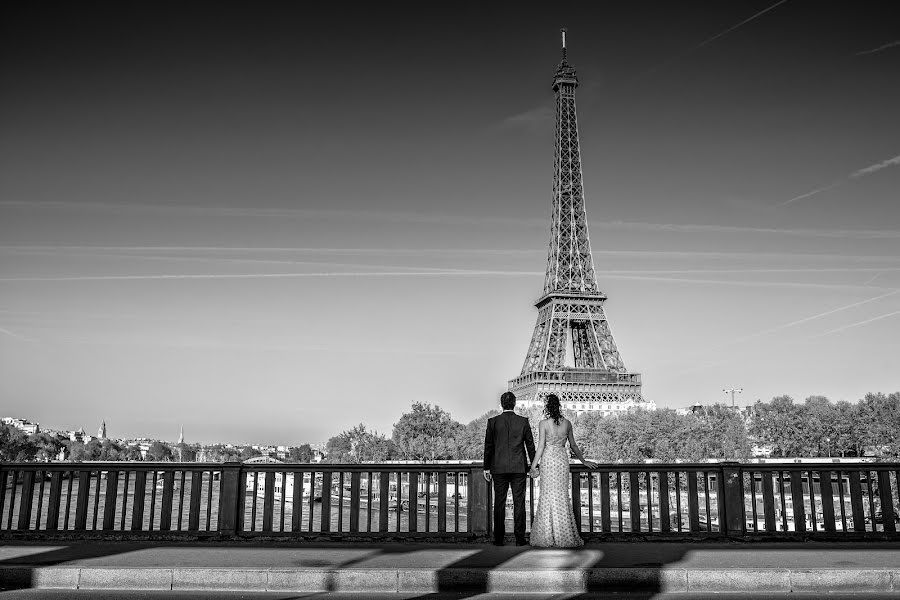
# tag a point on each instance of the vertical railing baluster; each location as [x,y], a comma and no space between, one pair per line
[457,494]
[283,497]
[753,501]
[693,502]
[140,493]
[181,498]
[109,502]
[664,525]
[825,492]
[399,480]
[781,493]
[40,507]
[153,499]
[383,498]
[576,498]
[124,500]
[634,501]
[268,502]
[96,500]
[354,501]
[326,502]
[4,474]
[649,481]
[297,509]
[196,497]
[678,499]
[605,516]
[856,503]
[168,497]
[870,494]
[13,475]
[768,492]
[812,500]
[254,501]
[52,503]
[26,499]
[840,481]
[81,503]
[797,501]
[340,515]
[427,479]
[442,502]
[887,501]
[312,500]
[369,503]
[71,480]
[619,499]
[706,497]
[413,503]
[590,488]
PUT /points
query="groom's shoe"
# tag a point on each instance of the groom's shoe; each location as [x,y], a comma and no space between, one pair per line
[498,542]
[521,542]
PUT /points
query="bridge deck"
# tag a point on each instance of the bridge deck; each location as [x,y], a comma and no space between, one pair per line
[402,567]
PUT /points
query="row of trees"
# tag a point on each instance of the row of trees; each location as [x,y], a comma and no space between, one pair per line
[779,428]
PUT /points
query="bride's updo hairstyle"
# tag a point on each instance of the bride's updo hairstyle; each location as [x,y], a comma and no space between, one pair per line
[551,408]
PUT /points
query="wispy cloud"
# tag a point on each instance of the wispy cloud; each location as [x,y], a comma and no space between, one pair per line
[126,250]
[891,162]
[464,220]
[536,118]
[893,44]
[301,213]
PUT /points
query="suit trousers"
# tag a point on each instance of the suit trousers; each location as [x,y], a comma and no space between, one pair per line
[502,483]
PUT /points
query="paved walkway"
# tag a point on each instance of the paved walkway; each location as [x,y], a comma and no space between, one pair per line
[391,568]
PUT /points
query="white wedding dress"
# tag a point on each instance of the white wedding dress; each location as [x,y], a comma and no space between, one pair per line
[554,522]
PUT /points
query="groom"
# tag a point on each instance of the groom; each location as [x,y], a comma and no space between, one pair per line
[507,438]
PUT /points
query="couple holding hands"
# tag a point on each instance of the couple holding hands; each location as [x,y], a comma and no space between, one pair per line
[507,438]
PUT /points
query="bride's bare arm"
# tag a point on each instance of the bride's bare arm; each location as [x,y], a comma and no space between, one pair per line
[542,439]
[574,446]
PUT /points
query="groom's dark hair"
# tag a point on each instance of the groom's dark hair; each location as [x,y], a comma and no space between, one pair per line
[508,401]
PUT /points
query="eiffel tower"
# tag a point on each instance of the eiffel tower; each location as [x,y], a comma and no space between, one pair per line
[572,353]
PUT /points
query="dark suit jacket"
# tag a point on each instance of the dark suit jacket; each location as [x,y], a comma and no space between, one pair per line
[507,437]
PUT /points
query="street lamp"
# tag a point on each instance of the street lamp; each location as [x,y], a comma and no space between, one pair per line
[733,391]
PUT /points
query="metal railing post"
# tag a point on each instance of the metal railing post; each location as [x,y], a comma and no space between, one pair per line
[231,499]
[732,522]
[479,513]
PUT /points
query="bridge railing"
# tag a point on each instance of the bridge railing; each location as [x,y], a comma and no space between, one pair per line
[452,501]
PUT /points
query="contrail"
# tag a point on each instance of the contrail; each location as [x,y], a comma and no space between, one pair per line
[857,324]
[807,319]
[16,335]
[457,273]
[876,167]
[732,28]
[854,175]
[703,43]
[879,48]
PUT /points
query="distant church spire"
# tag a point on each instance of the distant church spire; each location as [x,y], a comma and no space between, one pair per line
[181,435]
[102,432]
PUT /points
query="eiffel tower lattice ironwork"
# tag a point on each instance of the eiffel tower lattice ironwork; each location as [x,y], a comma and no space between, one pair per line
[572,351]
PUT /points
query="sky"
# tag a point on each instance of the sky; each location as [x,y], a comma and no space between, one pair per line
[270,222]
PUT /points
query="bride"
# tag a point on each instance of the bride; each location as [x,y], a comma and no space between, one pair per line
[554,523]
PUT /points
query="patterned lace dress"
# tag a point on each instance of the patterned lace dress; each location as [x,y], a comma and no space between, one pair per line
[554,522]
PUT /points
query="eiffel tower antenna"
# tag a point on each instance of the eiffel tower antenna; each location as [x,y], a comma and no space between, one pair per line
[572,352]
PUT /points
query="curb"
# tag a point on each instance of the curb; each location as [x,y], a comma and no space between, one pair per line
[750,581]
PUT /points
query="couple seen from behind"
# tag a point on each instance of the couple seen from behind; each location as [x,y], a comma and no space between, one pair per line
[508,447]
